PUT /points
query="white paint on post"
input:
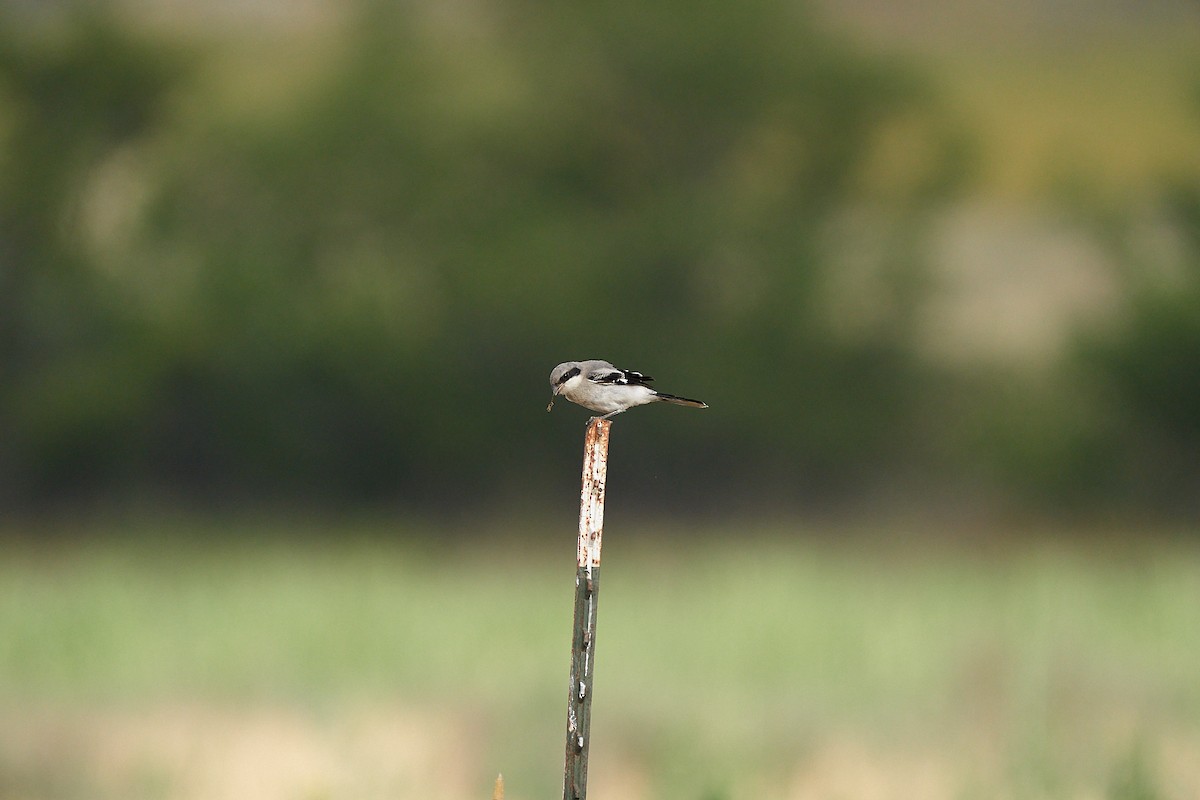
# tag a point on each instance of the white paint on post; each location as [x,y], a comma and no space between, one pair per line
[591,496]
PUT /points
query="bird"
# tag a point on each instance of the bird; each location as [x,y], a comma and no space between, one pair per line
[599,386]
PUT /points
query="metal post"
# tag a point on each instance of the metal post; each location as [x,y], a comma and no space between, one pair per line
[583,632]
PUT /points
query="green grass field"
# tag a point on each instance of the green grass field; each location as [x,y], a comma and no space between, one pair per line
[774,662]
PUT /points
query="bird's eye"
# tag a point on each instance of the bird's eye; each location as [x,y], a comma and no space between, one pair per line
[566,376]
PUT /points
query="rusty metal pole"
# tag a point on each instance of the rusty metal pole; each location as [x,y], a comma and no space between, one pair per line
[583,632]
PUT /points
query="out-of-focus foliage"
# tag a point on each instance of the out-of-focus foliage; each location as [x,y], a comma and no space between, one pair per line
[362,297]
[352,288]
[1146,364]
[70,103]
[1112,422]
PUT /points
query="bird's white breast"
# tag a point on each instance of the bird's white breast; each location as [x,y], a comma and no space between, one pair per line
[605,398]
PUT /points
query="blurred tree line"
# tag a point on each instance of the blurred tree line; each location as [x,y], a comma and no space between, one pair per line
[1145,367]
[356,296]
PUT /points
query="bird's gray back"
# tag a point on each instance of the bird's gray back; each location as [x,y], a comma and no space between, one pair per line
[594,367]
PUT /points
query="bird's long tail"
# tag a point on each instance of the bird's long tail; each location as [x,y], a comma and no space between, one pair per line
[679,401]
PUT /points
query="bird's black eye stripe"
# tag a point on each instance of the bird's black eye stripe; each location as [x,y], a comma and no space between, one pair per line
[566,376]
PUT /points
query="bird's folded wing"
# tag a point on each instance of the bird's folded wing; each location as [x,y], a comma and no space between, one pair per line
[622,377]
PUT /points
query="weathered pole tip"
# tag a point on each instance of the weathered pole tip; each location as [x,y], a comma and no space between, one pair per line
[498,789]
[599,422]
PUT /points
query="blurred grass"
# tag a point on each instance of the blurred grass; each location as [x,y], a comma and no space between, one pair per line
[749,667]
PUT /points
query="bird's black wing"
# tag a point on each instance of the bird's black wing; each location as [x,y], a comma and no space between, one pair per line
[621,377]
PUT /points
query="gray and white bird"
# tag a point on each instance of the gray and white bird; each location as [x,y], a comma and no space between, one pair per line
[599,386]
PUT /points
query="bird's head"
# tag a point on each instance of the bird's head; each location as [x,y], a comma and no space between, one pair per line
[559,377]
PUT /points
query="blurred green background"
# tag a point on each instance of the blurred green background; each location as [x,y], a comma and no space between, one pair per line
[280,288]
